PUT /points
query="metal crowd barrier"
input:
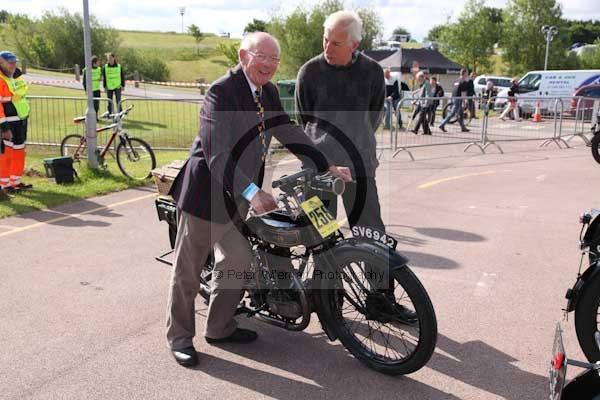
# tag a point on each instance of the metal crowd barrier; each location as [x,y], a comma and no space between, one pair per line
[550,120]
[51,118]
[172,123]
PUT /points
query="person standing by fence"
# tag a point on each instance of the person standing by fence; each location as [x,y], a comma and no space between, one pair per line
[392,97]
[424,103]
[14,111]
[436,91]
[511,104]
[471,94]
[114,81]
[96,78]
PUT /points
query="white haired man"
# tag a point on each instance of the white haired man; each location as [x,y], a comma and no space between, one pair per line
[216,186]
[339,98]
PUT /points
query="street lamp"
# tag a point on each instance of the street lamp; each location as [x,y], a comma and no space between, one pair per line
[549,32]
[182,11]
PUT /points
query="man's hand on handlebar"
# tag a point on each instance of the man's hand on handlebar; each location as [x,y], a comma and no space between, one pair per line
[263,203]
[341,172]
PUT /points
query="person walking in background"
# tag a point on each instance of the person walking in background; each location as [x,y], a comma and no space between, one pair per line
[511,104]
[96,78]
[436,91]
[458,91]
[471,94]
[392,97]
[14,111]
[114,81]
[488,95]
[424,103]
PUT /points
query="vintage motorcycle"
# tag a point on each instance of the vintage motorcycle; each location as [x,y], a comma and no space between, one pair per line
[584,299]
[360,288]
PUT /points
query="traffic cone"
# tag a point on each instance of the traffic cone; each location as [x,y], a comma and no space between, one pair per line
[537,116]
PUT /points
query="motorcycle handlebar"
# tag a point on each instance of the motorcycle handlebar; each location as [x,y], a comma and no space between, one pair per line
[323,183]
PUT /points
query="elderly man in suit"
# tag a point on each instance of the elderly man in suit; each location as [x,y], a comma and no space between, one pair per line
[219,182]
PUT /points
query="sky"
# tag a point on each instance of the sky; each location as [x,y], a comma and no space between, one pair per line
[216,16]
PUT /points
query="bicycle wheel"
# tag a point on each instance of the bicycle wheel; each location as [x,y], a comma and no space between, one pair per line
[135,158]
[391,328]
[75,146]
[447,109]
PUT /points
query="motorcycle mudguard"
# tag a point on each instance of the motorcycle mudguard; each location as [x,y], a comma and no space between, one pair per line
[326,264]
[573,294]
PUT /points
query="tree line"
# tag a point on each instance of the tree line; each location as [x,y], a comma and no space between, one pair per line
[55,41]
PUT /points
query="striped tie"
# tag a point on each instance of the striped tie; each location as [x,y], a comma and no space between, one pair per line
[261,122]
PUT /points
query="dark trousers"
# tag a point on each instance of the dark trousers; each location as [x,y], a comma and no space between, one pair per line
[117,95]
[431,115]
[97,95]
[422,120]
[362,208]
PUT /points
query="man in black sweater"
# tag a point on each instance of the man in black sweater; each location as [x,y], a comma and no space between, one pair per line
[339,100]
[458,91]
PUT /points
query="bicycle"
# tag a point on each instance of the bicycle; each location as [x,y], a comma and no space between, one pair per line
[468,116]
[134,156]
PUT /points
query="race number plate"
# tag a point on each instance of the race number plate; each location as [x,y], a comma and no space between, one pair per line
[558,366]
[320,216]
[374,234]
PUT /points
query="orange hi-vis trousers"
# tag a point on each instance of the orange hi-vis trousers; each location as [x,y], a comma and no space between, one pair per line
[12,161]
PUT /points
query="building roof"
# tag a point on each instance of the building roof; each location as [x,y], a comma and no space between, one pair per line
[402,60]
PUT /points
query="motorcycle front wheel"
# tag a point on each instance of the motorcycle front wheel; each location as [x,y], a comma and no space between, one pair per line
[587,319]
[390,327]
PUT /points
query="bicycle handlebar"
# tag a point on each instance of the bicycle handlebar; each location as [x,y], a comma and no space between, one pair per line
[323,183]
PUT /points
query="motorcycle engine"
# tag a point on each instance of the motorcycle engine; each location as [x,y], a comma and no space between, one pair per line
[282,297]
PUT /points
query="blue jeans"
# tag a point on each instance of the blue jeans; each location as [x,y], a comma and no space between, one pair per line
[456,108]
[387,113]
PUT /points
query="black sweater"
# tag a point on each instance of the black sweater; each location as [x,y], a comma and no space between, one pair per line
[340,108]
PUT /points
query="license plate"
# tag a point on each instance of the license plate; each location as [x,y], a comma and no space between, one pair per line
[558,366]
[374,234]
[320,216]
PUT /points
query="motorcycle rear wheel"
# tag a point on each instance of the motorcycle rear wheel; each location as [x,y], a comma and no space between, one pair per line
[587,319]
[376,332]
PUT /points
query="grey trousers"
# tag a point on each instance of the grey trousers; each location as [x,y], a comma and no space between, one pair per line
[195,240]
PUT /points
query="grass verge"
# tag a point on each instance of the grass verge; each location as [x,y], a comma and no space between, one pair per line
[91,183]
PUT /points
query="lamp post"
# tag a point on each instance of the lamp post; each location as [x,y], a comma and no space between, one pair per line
[549,33]
[182,11]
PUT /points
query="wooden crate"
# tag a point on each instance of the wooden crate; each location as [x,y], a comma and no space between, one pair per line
[165,175]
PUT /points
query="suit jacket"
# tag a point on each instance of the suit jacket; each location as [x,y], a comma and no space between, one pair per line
[226,156]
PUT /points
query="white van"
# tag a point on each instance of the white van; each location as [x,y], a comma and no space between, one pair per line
[552,84]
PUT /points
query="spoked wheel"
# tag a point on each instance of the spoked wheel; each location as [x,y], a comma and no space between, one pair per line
[389,326]
[595,145]
[587,319]
[75,146]
[135,158]
[468,117]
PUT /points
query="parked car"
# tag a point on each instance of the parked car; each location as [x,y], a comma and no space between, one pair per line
[586,104]
[500,82]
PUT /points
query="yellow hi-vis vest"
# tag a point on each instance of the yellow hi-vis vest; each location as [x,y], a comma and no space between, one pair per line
[18,87]
[96,78]
[113,77]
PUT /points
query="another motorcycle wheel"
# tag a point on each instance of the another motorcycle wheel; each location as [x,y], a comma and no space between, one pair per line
[391,328]
[587,319]
[595,144]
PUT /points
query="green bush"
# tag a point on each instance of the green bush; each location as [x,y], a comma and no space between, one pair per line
[150,67]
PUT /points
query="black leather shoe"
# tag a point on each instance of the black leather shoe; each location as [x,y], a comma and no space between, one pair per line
[465,130]
[186,357]
[442,128]
[238,336]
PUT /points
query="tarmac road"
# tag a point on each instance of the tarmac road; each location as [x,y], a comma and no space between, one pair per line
[492,237]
